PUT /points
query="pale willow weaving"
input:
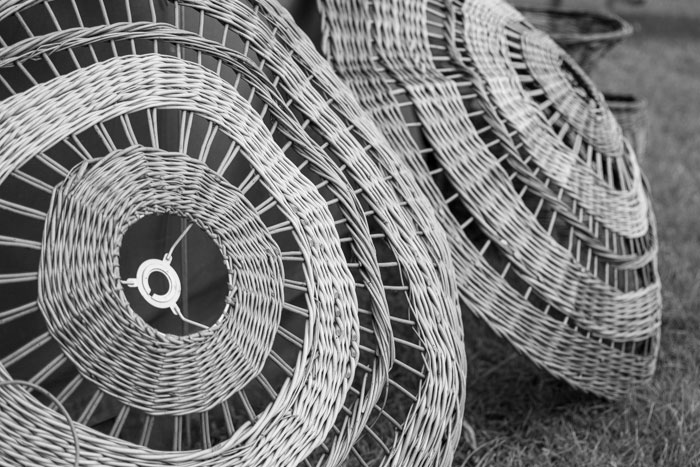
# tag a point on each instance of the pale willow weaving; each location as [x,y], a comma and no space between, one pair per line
[586,35]
[544,202]
[338,339]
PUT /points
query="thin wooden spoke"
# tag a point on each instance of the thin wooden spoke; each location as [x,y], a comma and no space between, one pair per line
[26,349]
[21,311]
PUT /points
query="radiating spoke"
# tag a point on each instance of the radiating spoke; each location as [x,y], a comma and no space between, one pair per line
[282,227]
[296,309]
[177,433]
[90,408]
[49,369]
[251,179]
[358,456]
[403,390]
[247,405]
[294,285]
[288,336]
[15,278]
[22,210]
[231,154]
[281,364]
[411,345]
[120,421]
[377,439]
[147,430]
[19,243]
[262,380]
[206,432]
[266,205]
[70,388]
[228,420]
[26,349]
[409,368]
[33,181]
[18,312]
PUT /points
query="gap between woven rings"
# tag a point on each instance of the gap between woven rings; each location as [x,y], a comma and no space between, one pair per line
[159,289]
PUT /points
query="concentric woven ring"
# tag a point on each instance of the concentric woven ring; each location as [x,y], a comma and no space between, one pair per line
[155,372]
[332,302]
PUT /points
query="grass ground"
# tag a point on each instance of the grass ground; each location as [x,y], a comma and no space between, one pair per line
[522,416]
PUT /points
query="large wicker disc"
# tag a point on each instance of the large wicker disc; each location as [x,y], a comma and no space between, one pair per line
[543,200]
[222,114]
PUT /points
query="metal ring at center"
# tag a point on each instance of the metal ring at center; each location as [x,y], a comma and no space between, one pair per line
[146,270]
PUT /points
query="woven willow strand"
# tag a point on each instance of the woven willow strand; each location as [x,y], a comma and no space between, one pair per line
[544,203]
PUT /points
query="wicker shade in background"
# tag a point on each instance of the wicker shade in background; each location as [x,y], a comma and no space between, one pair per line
[546,207]
[586,35]
[339,334]
[632,113]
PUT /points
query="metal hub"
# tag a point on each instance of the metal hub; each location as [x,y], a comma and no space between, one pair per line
[162,301]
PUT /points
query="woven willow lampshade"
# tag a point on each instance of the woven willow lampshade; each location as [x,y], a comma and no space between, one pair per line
[632,113]
[585,35]
[338,334]
[545,204]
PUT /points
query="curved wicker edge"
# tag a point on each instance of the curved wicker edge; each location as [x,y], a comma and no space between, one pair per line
[549,20]
[355,55]
[568,29]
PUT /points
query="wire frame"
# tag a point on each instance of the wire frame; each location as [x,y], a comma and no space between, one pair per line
[546,207]
[339,337]
[585,35]
[632,113]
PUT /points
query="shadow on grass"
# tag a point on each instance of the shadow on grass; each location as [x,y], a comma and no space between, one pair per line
[522,416]
[506,389]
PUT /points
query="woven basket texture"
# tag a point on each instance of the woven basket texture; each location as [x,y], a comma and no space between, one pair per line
[338,338]
[546,207]
[632,113]
[585,35]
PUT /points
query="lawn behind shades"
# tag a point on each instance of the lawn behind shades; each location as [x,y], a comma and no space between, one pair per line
[522,416]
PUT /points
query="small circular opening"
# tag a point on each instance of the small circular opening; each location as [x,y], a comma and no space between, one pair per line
[158,282]
[197,263]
